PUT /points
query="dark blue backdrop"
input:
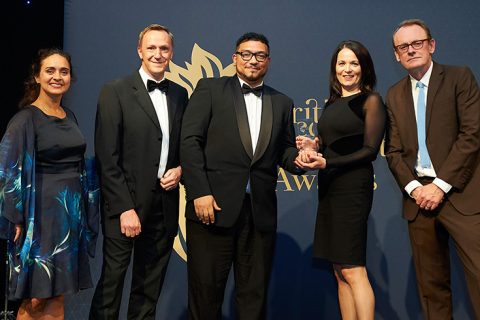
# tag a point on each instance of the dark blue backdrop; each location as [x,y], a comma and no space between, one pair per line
[102,38]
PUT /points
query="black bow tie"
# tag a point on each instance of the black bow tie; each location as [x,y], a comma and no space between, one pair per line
[256,91]
[162,86]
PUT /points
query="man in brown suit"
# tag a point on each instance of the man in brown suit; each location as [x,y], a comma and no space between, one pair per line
[432,148]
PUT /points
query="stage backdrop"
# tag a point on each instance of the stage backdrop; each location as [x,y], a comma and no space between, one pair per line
[102,38]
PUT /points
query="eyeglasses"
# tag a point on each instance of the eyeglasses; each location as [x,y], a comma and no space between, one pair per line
[247,55]
[417,45]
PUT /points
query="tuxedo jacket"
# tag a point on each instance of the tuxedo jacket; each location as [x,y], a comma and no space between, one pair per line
[452,135]
[128,144]
[217,156]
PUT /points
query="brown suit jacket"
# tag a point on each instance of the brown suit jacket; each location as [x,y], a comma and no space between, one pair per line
[453,135]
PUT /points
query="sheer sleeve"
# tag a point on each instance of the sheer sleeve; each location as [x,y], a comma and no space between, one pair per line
[375,118]
[17,174]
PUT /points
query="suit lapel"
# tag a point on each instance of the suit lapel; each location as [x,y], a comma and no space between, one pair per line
[241,114]
[143,98]
[171,105]
[266,124]
[433,86]
[409,112]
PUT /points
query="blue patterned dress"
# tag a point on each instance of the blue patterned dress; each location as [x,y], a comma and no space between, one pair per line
[44,186]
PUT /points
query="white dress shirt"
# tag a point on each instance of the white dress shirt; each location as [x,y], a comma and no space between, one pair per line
[254,113]
[159,100]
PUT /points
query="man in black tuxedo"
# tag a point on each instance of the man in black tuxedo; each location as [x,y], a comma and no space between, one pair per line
[234,134]
[137,137]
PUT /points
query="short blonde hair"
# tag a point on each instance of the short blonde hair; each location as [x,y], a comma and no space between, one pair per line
[412,22]
[157,27]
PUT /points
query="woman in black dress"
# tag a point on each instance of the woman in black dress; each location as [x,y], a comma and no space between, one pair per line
[47,204]
[350,131]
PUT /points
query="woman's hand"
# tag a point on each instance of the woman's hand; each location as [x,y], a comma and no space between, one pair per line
[18,232]
[310,160]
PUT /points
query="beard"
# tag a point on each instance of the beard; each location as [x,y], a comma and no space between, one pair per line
[254,77]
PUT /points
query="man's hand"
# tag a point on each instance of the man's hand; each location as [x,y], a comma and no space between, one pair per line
[130,223]
[171,178]
[205,208]
[18,232]
[305,143]
[428,197]
[310,160]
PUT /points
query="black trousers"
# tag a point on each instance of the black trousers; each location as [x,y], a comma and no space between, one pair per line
[151,253]
[212,251]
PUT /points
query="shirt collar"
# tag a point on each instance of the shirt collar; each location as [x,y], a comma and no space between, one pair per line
[425,79]
[243,82]
[145,77]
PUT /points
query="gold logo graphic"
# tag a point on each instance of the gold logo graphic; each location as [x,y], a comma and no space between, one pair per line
[203,65]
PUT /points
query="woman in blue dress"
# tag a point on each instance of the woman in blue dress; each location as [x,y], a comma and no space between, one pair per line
[47,203]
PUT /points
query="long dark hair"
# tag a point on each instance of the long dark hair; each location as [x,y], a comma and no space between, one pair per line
[368,79]
[31,87]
